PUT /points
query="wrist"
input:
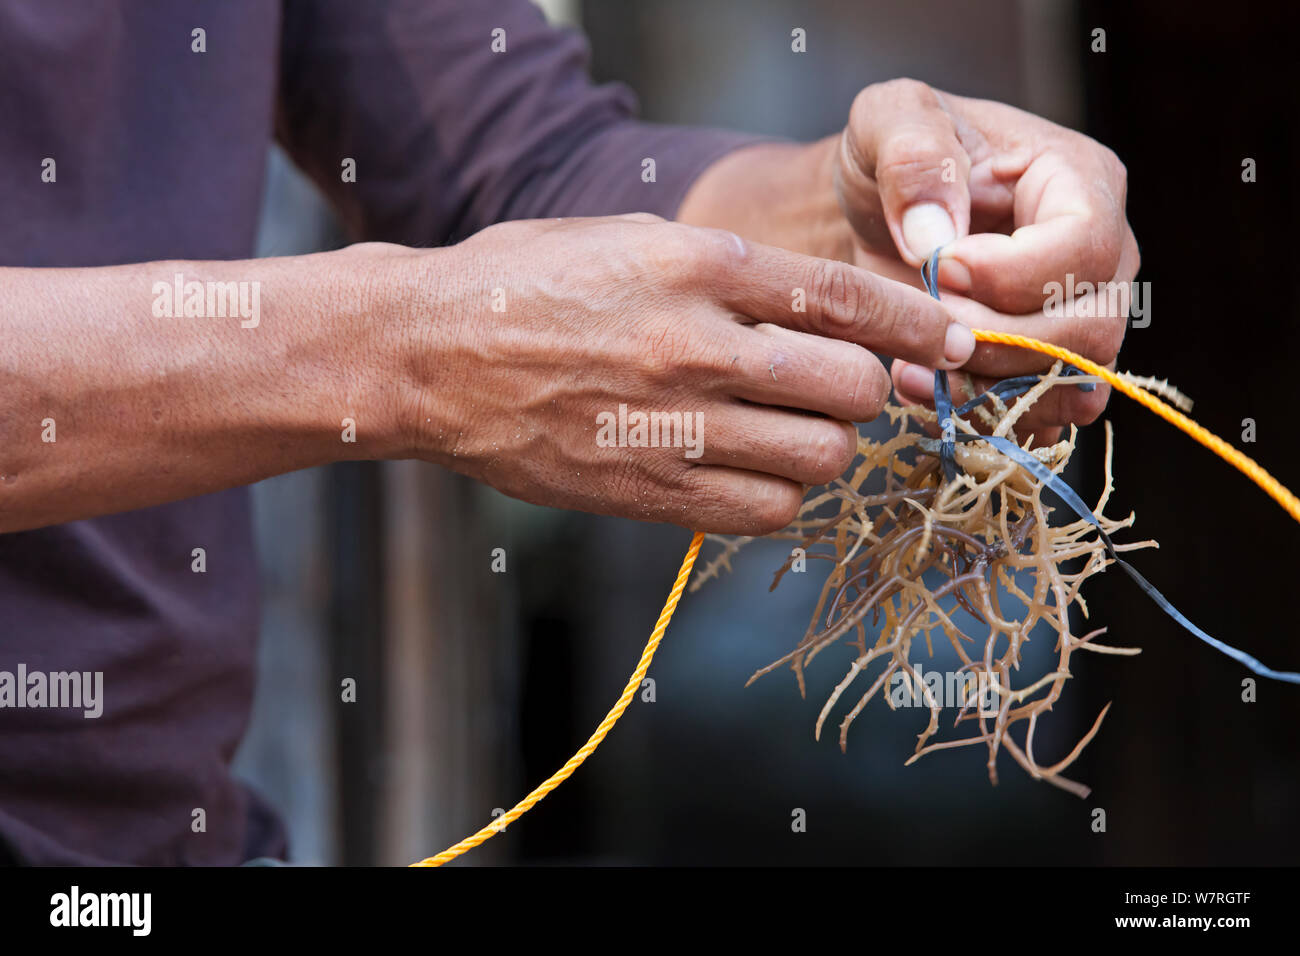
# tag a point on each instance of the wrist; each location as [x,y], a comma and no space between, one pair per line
[357,342]
[400,317]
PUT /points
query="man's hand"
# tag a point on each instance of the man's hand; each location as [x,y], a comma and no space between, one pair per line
[529,333]
[495,357]
[1016,202]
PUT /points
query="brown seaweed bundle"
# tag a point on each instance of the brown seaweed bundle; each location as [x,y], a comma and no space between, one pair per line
[906,551]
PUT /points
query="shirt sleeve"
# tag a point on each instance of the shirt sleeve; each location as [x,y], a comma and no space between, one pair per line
[461,113]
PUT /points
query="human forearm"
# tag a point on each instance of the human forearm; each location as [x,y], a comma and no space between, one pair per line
[506,357]
[109,406]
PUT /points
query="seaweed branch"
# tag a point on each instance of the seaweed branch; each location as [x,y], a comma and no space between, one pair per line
[905,553]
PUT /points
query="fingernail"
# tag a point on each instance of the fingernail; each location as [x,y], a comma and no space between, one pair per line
[954,275]
[958,344]
[916,380]
[926,226]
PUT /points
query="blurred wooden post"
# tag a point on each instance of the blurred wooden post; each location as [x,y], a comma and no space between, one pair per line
[443,709]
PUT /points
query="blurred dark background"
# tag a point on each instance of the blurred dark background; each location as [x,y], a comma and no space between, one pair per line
[484,683]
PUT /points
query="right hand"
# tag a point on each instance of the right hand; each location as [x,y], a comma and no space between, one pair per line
[659,317]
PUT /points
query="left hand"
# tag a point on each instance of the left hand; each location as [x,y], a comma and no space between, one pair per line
[1017,203]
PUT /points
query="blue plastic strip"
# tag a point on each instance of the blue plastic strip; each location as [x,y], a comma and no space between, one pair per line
[1005,389]
[942,397]
[1067,494]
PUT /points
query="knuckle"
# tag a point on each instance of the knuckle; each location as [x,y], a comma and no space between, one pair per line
[668,251]
[890,94]
[722,245]
[1114,166]
[838,296]
[1100,339]
[1093,257]
[904,87]
[1113,338]
[869,390]
[923,325]
[707,254]
[908,324]
[775,505]
[827,452]
[1110,337]
[862,104]
[1107,249]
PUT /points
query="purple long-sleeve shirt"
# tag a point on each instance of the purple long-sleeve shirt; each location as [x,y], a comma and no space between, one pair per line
[159,153]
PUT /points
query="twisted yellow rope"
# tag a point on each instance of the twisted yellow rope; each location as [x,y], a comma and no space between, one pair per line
[1242,462]
[606,725]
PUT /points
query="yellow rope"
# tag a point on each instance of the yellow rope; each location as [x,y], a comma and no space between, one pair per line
[1243,463]
[606,725]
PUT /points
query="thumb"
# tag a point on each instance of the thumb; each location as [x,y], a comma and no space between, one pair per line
[925,226]
[908,143]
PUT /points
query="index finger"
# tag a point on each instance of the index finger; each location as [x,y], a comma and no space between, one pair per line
[838,300]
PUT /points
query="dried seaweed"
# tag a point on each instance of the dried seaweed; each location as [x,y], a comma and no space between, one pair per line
[907,552]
